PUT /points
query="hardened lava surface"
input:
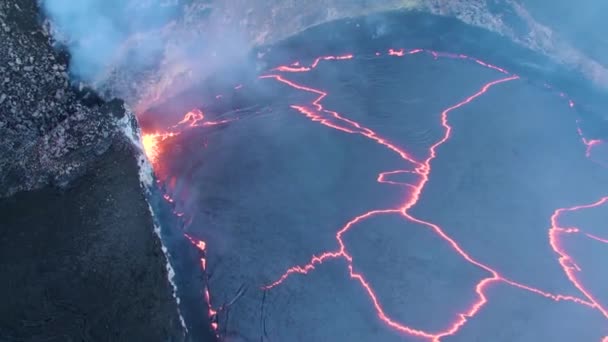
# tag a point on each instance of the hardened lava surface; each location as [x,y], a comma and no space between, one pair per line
[399,194]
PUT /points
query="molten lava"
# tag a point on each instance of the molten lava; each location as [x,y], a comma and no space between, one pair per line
[192,117]
[317,113]
[421,169]
[152,144]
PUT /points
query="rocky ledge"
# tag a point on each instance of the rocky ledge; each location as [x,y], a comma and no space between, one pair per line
[50,131]
[79,260]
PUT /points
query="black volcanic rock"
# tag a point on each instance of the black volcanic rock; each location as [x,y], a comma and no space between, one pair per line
[79,260]
[48,135]
[82,263]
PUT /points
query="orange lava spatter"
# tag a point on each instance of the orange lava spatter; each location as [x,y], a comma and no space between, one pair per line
[421,168]
[152,142]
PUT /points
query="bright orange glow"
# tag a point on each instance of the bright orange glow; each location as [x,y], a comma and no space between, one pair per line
[211,312]
[571,269]
[192,117]
[152,144]
[420,169]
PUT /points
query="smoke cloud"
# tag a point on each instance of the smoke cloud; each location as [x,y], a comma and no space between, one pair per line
[96,31]
[144,51]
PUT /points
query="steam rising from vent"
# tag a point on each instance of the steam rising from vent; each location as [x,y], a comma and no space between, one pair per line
[143,51]
[97,32]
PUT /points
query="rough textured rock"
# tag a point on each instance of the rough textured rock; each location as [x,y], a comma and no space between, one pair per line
[79,262]
[49,131]
[82,263]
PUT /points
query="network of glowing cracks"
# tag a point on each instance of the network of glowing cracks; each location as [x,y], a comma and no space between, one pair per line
[422,169]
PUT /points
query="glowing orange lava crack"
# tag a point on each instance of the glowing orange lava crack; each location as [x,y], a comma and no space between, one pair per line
[422,169]
[596,238]
[152,143]
[212,313]
[566,261]
[195,118]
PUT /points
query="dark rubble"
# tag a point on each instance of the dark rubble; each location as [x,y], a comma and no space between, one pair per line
[79,259]
[48,134]
[83,263]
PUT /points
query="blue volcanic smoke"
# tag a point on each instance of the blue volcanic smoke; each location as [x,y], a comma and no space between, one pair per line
[96,31]
[145,51]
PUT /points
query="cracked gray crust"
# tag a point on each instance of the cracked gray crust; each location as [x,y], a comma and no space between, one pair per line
[261,23]
[47,133]
[50,131]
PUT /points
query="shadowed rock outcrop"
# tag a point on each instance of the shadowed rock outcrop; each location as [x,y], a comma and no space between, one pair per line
[79,260]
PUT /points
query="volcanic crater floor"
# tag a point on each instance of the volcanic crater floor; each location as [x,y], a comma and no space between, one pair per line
[401,194]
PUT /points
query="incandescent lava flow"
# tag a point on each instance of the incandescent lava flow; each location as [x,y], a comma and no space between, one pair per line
[153,141]
[154,144]
[421,168]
